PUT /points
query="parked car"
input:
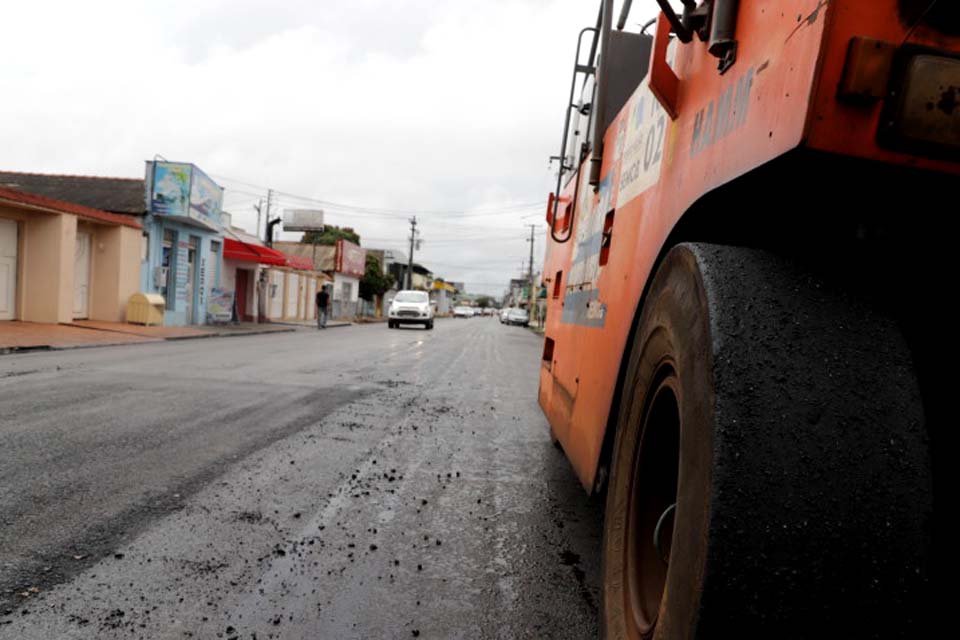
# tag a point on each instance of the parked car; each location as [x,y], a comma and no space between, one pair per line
[462,312]
[518,317]
[503,314]
[410,307]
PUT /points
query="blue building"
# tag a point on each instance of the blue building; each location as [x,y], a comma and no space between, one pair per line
[183,235]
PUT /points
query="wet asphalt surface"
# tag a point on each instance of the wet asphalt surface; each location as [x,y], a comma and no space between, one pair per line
[358,482]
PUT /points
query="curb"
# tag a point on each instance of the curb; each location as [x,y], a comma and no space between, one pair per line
[230,334]
[144,340]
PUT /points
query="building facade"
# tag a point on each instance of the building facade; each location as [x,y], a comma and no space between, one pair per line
[176,209]
[184,232]
[345,264]
[61,262]
[441,297]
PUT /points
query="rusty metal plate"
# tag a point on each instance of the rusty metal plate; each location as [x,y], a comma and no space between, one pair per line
[923,110]
[866,72]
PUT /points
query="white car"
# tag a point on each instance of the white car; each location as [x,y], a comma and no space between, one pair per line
[462,312]
[503,314]
[518,317]
[410,307]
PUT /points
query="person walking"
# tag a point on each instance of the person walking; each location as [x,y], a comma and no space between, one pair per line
[323,299]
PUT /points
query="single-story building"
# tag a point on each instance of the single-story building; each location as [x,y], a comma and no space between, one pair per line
[61,261]
[344,264]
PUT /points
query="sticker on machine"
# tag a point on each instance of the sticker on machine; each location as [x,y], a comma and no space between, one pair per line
[585,262]
[643,148]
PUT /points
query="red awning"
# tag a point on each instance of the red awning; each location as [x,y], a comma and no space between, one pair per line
[236,250]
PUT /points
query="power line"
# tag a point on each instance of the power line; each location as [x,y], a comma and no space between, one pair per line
[385,211]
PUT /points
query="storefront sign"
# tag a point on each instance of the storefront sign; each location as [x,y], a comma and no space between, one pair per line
[351,259]
[181,190]
[220,305]
[206,199]
[203,279]
[170,195]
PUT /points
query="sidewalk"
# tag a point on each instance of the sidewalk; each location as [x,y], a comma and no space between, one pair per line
[27,336]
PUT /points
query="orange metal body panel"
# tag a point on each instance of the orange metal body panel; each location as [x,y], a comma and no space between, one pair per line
[850,129]
[780,93]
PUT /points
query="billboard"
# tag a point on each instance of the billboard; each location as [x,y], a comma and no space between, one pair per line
[206,199]
[303,220]
[181,190]
[170,195]
[351,259]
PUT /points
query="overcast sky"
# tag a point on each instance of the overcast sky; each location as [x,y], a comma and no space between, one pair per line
[398,106]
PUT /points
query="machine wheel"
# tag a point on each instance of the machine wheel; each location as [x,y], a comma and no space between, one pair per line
[391,325]
[429,325]
[770,474]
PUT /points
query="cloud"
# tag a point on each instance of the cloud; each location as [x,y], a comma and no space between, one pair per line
[421,105]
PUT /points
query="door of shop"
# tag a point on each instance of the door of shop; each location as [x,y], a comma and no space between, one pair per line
[81,277]
[8,269]
[292,294]
[276,295]
[191,274]
[241,294]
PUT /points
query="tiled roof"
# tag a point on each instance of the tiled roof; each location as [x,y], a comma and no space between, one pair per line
[119,195]
[43,202]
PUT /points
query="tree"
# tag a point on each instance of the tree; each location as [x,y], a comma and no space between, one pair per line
[330,235]
[484,301]
[375,282]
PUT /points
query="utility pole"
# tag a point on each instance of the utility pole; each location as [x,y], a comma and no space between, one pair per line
[533,228]
[258,207]
[269,202]
[262,287]
[413,237]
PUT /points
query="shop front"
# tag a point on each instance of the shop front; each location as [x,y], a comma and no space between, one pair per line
[269,283]
[244,264]
[184,240]
[291,293]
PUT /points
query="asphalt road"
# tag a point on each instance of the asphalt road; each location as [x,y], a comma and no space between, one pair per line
[352,483]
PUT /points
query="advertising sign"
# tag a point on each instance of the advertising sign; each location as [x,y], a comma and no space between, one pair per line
[179,189]
[220,305]
[303,220]
[170,195]
[351,259]
[206,199]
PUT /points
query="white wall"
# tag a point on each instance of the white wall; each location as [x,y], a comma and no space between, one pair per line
[228,275]
[338,280]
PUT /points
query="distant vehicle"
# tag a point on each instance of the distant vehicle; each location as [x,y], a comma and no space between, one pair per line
[462,312]
[410,307]
[517,317]
[503,314]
